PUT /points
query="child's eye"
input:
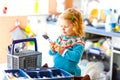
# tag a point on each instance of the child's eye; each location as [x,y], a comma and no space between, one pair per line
[64,26]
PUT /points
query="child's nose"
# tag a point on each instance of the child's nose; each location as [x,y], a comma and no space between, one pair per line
[63,27]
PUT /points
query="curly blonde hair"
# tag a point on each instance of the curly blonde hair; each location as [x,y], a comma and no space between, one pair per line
[76,19]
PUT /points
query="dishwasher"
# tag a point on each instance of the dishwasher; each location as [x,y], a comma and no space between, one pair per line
[115,59]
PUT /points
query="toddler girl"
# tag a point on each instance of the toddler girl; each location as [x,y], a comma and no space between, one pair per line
[69,46]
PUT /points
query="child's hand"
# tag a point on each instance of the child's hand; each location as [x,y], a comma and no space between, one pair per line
[52,46]
[57,48]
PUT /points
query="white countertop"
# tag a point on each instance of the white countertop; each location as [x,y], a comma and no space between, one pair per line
[2,68]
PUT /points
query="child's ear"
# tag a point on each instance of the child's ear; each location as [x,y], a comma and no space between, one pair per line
[74,30]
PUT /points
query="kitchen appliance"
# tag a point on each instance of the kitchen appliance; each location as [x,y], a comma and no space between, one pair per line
[115,59]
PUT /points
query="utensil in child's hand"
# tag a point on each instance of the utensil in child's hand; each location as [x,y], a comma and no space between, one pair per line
[45,36]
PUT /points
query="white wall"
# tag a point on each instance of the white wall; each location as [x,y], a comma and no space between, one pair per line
[87,5]
[23,7]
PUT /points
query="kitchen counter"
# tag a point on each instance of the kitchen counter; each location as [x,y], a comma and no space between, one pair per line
[101,31]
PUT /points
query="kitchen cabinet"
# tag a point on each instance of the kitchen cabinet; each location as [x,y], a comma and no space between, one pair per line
[36,7]
[53,5]
[101,31]
[115,38]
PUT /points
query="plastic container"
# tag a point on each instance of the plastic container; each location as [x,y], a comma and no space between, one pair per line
[49,74]
[29,60]
[16,74]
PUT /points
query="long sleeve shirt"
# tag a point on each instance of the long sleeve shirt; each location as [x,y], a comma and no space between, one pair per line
[74,47]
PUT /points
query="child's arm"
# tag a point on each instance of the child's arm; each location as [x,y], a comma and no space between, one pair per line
[74,53]
[52,46]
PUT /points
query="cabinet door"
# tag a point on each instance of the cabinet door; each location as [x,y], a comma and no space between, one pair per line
[68,4]
[53,4]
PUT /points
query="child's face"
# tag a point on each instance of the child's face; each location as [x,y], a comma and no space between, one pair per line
[66,27]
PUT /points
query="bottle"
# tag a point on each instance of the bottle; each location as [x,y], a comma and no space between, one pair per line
[111,20]
[118,20]
[107,24]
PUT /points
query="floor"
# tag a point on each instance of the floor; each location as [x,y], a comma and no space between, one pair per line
[2,68]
